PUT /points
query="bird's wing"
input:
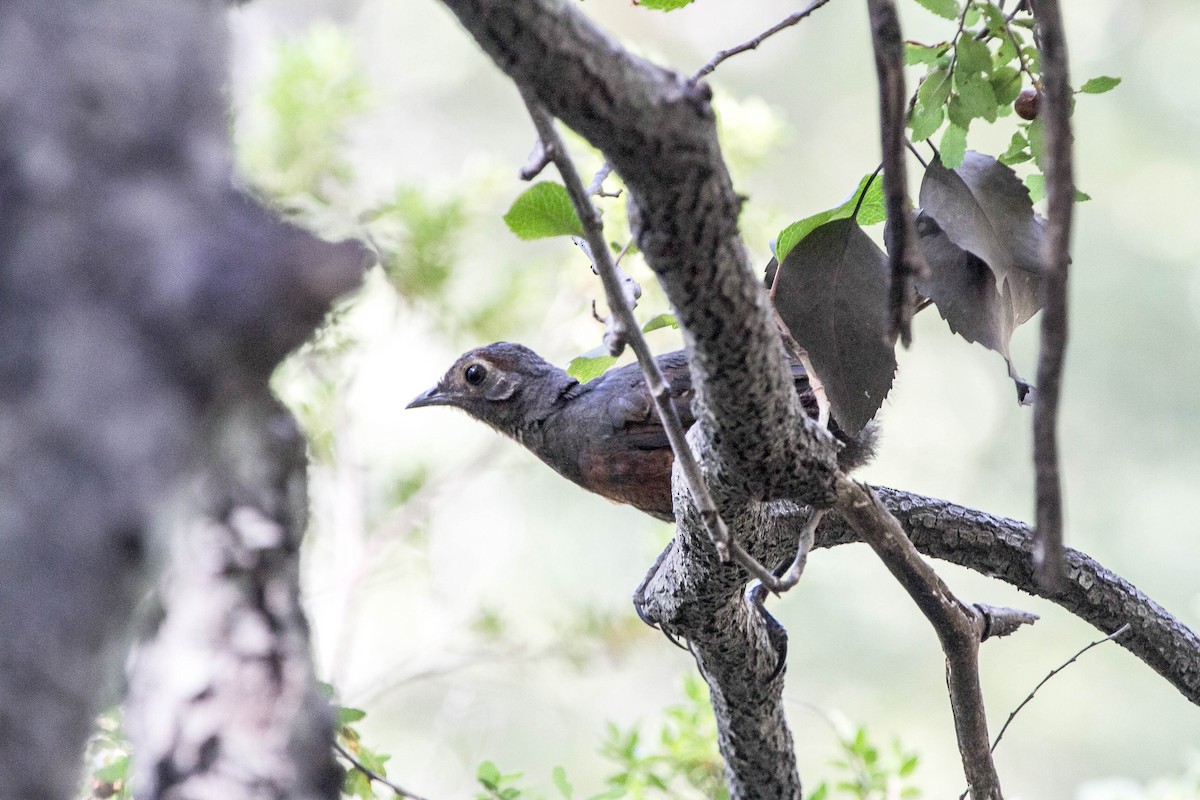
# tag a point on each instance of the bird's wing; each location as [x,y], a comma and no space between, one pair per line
[630,407]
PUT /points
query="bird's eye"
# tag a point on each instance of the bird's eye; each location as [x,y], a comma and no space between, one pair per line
[475,374]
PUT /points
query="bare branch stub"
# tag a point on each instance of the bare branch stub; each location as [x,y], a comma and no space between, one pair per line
[907,262]
[1056,259]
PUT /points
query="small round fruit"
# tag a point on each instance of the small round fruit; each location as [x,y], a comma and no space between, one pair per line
[1027,103]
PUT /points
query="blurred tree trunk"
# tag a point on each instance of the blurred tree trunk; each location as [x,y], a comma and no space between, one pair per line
[143,305]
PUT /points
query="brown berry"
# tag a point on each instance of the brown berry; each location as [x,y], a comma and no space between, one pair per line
[1027,103]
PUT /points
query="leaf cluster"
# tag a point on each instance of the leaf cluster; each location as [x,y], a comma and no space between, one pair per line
[976,74]
[978,233]
[870,772]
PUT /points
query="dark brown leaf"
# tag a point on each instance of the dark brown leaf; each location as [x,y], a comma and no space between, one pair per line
[831,292]
[985,209]
[964,291]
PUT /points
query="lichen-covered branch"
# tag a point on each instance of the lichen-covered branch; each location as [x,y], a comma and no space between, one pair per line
[222,701]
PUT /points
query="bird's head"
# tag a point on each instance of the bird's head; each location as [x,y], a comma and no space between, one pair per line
[508,386]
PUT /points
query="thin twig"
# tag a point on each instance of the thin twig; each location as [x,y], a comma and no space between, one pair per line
[625,330]
[1118,632]
[596,187]
[906,260]
[373,776]
[912,149]
[1060,204]
[538,159]
[757,40]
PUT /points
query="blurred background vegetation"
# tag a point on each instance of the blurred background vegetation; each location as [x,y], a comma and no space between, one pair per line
[478,606]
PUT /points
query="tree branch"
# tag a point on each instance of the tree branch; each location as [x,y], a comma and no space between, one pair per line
[246,713]
[623,326]
[959,628]
[141,302]
[1002,548]
[1056,259]
[907,262]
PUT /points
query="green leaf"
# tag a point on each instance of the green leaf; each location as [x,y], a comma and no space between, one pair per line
[958,114]
[1006,84]
[347,715]
[542,210]
[793,234]
[916,53]
[978,99]
[111,773]
[972,56]
[874,206]
[925,122]
[953,147]
[590,365]
[559,776]
[994,17]
[374,761]
[1017,152]
[1037,141]
[357,784]
[1037,186]
[663,5]
[1100,85]
[1082,197]
[1006,53]
[488,774]
[947,9]
[934,91]
[661,321]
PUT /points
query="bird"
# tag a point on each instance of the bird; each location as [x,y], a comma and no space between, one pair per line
[604,435]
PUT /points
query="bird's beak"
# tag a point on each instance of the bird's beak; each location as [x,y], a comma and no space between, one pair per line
[433,397]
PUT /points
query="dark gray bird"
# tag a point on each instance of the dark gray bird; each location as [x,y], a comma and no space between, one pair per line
[604,435]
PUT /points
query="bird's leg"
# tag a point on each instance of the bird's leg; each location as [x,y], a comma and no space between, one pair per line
[790,576]
[787,574]
[756,594]
[639,600]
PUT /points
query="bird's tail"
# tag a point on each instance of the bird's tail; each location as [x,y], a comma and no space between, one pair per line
[856,451]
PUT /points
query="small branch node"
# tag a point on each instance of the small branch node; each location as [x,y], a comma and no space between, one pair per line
[539,159]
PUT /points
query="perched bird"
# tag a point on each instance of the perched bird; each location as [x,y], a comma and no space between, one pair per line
[604,435]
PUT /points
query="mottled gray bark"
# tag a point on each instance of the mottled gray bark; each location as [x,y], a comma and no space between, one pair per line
[141,302]
[222,700]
